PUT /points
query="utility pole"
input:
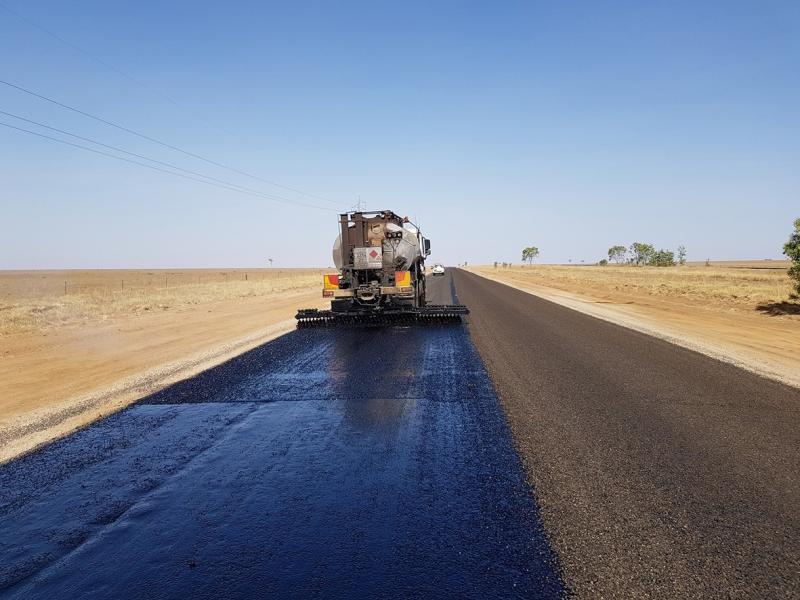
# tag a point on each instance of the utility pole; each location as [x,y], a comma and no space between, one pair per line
[359,206]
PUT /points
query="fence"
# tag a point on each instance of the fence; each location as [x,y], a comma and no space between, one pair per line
[33,284]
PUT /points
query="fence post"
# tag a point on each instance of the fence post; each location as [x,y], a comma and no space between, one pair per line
[65,287]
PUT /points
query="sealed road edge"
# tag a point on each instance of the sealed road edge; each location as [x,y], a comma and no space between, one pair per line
[37,428]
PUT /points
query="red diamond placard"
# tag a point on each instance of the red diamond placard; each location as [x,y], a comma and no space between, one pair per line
[373,254]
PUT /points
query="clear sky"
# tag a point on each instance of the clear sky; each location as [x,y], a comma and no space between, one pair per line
[572,126]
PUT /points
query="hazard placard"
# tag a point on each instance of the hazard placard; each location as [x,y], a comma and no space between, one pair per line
[368,258]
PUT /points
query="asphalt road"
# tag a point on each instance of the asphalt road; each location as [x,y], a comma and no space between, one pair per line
[329,463]
[659,472]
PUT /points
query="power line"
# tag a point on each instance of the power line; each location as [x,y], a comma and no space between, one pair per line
[153,167]
[159,142]
[87,54]
[142,156]
[107,65]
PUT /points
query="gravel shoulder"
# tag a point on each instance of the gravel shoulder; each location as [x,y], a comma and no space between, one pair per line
[660,472]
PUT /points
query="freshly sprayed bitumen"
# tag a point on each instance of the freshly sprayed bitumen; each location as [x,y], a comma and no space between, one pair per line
[328,463]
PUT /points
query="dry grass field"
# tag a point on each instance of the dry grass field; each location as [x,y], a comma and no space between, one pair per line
[740,311]
[741,285]
[42,300]
[77,345]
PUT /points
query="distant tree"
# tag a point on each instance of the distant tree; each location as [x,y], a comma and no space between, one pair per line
[662,258]
[603,262]
[681,254]
[529,254]
[495,264]
[617,254]
[642,253]
[792,250]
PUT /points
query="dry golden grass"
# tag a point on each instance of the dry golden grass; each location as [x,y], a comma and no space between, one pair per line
[741,285]
[42,300]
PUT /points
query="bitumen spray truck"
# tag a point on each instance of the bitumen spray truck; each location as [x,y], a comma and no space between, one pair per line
[380,258]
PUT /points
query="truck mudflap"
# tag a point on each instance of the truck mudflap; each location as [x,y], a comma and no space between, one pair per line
[431,314]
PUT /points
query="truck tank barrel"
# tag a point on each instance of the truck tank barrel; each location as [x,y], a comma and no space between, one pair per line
[404,251]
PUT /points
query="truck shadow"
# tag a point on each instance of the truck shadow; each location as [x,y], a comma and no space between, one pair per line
[775,309]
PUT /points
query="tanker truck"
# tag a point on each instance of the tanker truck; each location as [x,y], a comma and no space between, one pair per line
[380,258]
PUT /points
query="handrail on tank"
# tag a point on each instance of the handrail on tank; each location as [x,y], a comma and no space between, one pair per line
[374,213]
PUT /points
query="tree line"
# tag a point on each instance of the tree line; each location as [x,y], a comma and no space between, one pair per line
[792,250]
[529,254]
[640,254]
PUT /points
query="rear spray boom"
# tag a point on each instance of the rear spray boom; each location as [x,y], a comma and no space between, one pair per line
[430,314]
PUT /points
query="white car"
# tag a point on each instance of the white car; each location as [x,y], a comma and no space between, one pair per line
[437,270]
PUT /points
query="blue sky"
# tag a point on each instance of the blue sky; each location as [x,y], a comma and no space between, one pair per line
[567,125]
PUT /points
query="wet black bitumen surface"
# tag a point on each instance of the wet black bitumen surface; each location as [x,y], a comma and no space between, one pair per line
[333,463]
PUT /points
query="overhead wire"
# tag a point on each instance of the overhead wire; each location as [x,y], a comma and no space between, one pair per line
[87,54]
[157,141]
[142,156]
[167,171]
[151,89]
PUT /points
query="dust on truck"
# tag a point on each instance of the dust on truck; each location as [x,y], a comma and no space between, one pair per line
[380,257]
